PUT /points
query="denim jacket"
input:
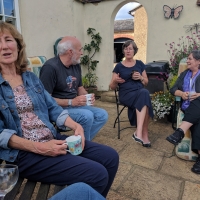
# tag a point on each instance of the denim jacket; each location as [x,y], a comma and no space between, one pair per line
[45,107]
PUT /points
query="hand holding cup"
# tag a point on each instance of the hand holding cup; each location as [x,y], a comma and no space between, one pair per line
[90,99]
[192,95]
[74,144]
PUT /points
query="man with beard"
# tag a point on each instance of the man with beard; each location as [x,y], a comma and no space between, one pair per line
[62,78]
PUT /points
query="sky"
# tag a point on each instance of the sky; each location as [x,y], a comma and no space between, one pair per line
[123,12]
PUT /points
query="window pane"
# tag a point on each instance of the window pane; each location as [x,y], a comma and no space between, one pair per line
[1,7]
[8,7]
[10,20]
[1,18]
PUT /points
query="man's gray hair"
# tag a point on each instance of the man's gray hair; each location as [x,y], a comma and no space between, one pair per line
[63,47]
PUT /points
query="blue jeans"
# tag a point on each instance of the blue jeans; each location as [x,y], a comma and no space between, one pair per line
[90,118]
[78,191]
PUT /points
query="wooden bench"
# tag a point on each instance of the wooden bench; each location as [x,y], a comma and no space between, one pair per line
[25,190]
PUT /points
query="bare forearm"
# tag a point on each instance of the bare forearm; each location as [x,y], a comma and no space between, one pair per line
[71,123]
[81,91]
[113,85]
[178,93]
[50,148]
[17,142]
[62,102]
[144,80]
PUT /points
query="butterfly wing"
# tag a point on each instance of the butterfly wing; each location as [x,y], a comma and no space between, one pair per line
[167,11]
[177,11]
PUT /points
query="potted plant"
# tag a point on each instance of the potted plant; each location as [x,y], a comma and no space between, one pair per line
[90,78]
[162,103]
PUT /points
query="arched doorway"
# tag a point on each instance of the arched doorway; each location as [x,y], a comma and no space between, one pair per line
[140,31]
[118,55]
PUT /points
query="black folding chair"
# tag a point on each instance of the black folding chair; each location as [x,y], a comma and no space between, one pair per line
[120,108]
[176,106]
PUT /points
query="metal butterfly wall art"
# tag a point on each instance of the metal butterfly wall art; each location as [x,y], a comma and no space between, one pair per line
[172,12]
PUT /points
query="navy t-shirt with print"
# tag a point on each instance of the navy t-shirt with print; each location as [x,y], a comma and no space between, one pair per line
[61,81]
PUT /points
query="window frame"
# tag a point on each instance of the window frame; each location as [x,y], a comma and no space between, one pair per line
[16,17]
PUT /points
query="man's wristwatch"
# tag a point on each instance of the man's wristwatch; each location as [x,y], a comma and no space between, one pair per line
[69,102]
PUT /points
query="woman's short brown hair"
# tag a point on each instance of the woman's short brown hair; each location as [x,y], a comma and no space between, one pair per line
[21,62]
[127,43]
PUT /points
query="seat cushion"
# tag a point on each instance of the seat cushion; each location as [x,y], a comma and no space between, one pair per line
[183,150]
[35,64]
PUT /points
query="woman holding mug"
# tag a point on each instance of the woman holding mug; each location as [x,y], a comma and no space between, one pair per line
[187,87]
[27,136]
[130,76]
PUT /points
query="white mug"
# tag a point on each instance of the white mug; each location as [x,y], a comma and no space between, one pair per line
[191,93]
[88,99]
[74,144]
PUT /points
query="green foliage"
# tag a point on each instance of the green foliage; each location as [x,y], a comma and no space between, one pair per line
[172,80]
[181,50]
[90,50]
[85,82]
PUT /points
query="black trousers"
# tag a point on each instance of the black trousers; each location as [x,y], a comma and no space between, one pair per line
[192,115]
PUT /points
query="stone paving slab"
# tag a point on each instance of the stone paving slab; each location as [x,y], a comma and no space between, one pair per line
[118,145]
[147,173]
[123,171]
[163,146]
[146,157]
[178,168]
[191,191]
[148,184]
[115,196]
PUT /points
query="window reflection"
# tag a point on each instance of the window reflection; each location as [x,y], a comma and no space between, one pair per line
[1,8]
[10,20]
[9,7]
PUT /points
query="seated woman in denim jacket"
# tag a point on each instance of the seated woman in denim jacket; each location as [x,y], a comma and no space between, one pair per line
[187,87]
[27,136]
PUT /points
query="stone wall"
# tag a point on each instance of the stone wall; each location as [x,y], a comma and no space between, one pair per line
[122,34]
[140,33]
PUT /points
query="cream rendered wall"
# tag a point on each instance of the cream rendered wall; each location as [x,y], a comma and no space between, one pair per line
[44,21]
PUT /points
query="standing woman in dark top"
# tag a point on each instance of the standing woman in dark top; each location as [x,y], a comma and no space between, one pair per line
[131,77]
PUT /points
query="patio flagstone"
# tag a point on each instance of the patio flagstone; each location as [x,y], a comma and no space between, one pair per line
[147,173]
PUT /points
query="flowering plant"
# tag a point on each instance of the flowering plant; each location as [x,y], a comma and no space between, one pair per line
[162,102]
[181,50]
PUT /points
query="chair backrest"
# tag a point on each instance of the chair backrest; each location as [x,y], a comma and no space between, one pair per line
[117,95]
[182,65]
[35,64]
[55,45]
